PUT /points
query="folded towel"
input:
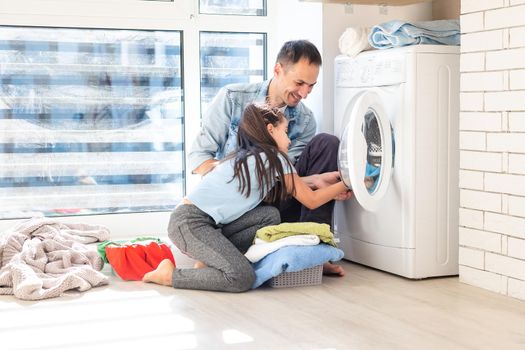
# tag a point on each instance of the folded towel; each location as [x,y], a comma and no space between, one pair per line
[354,40]
[292,259]
[275,232]
[397,33]
[262,248]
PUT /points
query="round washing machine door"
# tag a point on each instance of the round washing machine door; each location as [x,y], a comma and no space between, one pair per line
[366,150]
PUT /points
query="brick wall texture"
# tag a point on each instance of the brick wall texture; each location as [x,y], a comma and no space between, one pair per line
[492,146]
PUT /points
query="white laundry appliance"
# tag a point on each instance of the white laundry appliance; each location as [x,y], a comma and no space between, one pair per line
[397,114]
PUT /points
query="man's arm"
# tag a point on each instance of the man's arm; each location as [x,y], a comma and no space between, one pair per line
[212,137]
[324,180]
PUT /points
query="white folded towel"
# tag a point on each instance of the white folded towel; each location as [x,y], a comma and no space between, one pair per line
[354,40]
[262,248]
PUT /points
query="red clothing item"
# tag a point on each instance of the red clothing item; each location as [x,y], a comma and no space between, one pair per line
[132,261]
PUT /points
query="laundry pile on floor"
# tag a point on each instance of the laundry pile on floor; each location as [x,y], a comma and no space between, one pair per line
[397,33]
[132,259]
[291,247]
[43,258]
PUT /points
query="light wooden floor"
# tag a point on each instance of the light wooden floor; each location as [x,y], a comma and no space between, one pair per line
[366,309]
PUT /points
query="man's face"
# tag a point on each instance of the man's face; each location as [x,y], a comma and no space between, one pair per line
[294,82]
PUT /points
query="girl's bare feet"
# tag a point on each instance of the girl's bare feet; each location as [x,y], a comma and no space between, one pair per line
[163,274]
[199,265]
[333,270]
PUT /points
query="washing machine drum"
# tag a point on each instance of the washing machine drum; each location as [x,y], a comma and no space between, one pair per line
[366,150]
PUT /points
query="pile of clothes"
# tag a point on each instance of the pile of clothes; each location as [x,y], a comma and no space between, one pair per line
[132,259]
[291,247]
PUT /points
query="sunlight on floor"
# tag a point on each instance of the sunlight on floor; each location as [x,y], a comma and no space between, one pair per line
[341,313]
[233,336]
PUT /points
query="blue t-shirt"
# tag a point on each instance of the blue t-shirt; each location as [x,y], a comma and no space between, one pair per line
[219,197]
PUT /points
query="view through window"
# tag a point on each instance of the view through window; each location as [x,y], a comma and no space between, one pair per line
[94,121]
[91,121]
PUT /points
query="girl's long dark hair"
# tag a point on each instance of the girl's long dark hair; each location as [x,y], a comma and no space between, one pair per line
[253,139]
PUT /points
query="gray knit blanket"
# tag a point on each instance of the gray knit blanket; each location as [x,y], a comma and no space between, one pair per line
[42,258]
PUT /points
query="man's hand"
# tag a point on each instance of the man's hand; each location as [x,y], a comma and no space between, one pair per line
[322,180]
[205,167]
[325,180]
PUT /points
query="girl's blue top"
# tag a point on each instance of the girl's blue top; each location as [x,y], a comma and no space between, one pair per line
[218,195]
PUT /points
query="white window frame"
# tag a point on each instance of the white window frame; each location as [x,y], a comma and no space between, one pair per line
[136,14]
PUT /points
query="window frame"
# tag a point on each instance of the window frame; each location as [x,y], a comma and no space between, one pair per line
[180,15]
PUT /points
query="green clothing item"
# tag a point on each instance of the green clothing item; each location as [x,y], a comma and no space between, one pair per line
[275,232]
[101,247]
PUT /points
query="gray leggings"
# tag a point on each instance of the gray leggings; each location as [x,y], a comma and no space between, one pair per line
[220,247]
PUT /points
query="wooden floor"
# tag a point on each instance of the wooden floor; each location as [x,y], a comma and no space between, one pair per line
[367,309]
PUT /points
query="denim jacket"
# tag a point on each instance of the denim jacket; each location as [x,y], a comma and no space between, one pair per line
[218,134]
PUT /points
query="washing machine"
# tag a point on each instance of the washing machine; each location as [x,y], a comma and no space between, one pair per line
[397,113]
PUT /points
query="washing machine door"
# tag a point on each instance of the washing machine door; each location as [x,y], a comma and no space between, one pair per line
[366,150]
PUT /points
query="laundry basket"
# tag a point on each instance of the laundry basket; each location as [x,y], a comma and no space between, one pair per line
[307,277]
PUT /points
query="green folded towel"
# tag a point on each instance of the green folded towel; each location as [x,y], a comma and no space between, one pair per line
[275,232]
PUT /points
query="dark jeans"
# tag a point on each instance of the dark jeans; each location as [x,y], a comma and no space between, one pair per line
[319,156]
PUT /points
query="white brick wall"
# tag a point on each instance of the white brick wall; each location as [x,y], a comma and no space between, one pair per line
[492,146]
[479,121]
[517,121]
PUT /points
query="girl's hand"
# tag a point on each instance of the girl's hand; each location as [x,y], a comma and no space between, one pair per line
[345,195]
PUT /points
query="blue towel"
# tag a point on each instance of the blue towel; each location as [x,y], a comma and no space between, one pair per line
[397,33]
[293,258]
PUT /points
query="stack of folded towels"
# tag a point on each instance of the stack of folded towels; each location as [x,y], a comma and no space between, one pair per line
[291,247]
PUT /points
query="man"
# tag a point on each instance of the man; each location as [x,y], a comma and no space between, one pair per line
[314,156]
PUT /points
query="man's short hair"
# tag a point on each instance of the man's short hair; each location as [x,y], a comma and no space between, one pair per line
[295,50]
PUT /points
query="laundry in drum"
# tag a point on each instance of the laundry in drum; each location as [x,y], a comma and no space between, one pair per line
[372,135]
[371,177]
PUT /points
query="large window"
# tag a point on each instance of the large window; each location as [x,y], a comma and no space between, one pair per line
[99,121]
[91,121]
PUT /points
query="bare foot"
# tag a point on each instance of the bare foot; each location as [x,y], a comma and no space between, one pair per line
[162,274]
[333,270]
[199,265]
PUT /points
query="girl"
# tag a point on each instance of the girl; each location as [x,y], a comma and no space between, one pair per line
[216,223]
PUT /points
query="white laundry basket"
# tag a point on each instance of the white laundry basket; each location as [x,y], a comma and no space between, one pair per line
[307,277]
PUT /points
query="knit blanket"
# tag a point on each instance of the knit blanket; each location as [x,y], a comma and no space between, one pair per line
[42,258]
